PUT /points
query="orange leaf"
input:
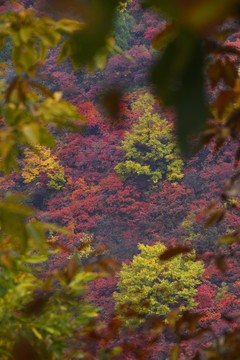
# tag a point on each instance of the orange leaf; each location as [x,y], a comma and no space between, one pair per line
[217,216]
[174,251]
[221,263]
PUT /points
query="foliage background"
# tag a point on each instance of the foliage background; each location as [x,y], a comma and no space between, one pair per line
[93,202]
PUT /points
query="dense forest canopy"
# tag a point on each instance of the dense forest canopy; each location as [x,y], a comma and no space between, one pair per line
[119,149]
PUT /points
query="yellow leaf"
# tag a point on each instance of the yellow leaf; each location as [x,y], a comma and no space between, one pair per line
[37,334]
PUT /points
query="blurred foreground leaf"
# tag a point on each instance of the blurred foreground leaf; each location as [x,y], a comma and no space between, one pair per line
[179,82]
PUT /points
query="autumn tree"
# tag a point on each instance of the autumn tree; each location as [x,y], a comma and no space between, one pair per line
[150,148]
[152,287]
[43,162]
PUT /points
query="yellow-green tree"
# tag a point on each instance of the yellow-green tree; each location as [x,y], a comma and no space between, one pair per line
[150,148]
[43,162]
[152,287]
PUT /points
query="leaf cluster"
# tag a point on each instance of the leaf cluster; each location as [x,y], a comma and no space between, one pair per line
[42,312]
